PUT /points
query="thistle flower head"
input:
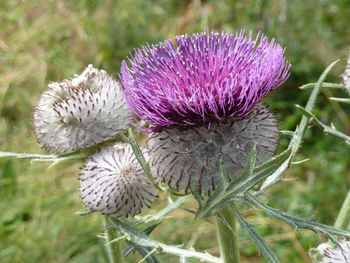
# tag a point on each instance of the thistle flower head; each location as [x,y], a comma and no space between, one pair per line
[341,254]
[202,77]
[80,112]
[188,158]
[112,182]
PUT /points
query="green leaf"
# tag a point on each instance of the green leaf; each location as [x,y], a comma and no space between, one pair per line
[230,198]
[299,133]
[140,238]
[172,205]
[139,156]
[327,129]
[254,235]
[272,165]
[296,222]
[198,198]
[137,234]
[263,171]
[84,211]
[324,85]
[141,250]
[287,133]
[147,254]
[221,185]
[277,175]
[343,100]
[247,172]
[249,178]
[193,212]
[148,230]
[296,140]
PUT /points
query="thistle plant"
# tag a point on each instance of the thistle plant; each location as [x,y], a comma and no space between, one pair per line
[198,98]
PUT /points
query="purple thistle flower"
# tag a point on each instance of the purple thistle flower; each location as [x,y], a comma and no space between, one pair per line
[112,182]
[80,112]
[202,77]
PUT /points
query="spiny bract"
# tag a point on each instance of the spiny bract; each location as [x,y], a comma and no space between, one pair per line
[188,158]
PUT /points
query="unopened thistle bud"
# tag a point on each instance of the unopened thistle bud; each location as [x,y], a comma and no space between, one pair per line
[200,96]
[112,182]
[81,112]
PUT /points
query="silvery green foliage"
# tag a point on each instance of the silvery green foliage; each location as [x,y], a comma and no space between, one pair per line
[340,254]
[346,76]
[188,158]
[112,182]
[80,112]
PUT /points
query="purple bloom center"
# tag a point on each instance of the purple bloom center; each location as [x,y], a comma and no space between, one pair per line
[201,77]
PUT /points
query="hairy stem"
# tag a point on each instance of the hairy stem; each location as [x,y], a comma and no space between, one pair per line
[113,249]
[343,219]
[139,238]
[227,237]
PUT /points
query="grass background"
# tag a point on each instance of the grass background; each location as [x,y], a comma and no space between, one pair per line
[42,41]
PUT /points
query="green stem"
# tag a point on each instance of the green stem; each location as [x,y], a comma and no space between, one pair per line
[343,219]
[113,249]
[227,237]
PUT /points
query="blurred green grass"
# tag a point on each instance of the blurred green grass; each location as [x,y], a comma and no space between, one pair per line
[42,41]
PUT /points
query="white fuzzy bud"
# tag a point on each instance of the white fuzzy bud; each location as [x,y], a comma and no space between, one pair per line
[81,112]
[112,182]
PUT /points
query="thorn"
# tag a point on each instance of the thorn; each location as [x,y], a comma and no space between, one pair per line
[290,179]
[53,164]
[170,201]
[300,162]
